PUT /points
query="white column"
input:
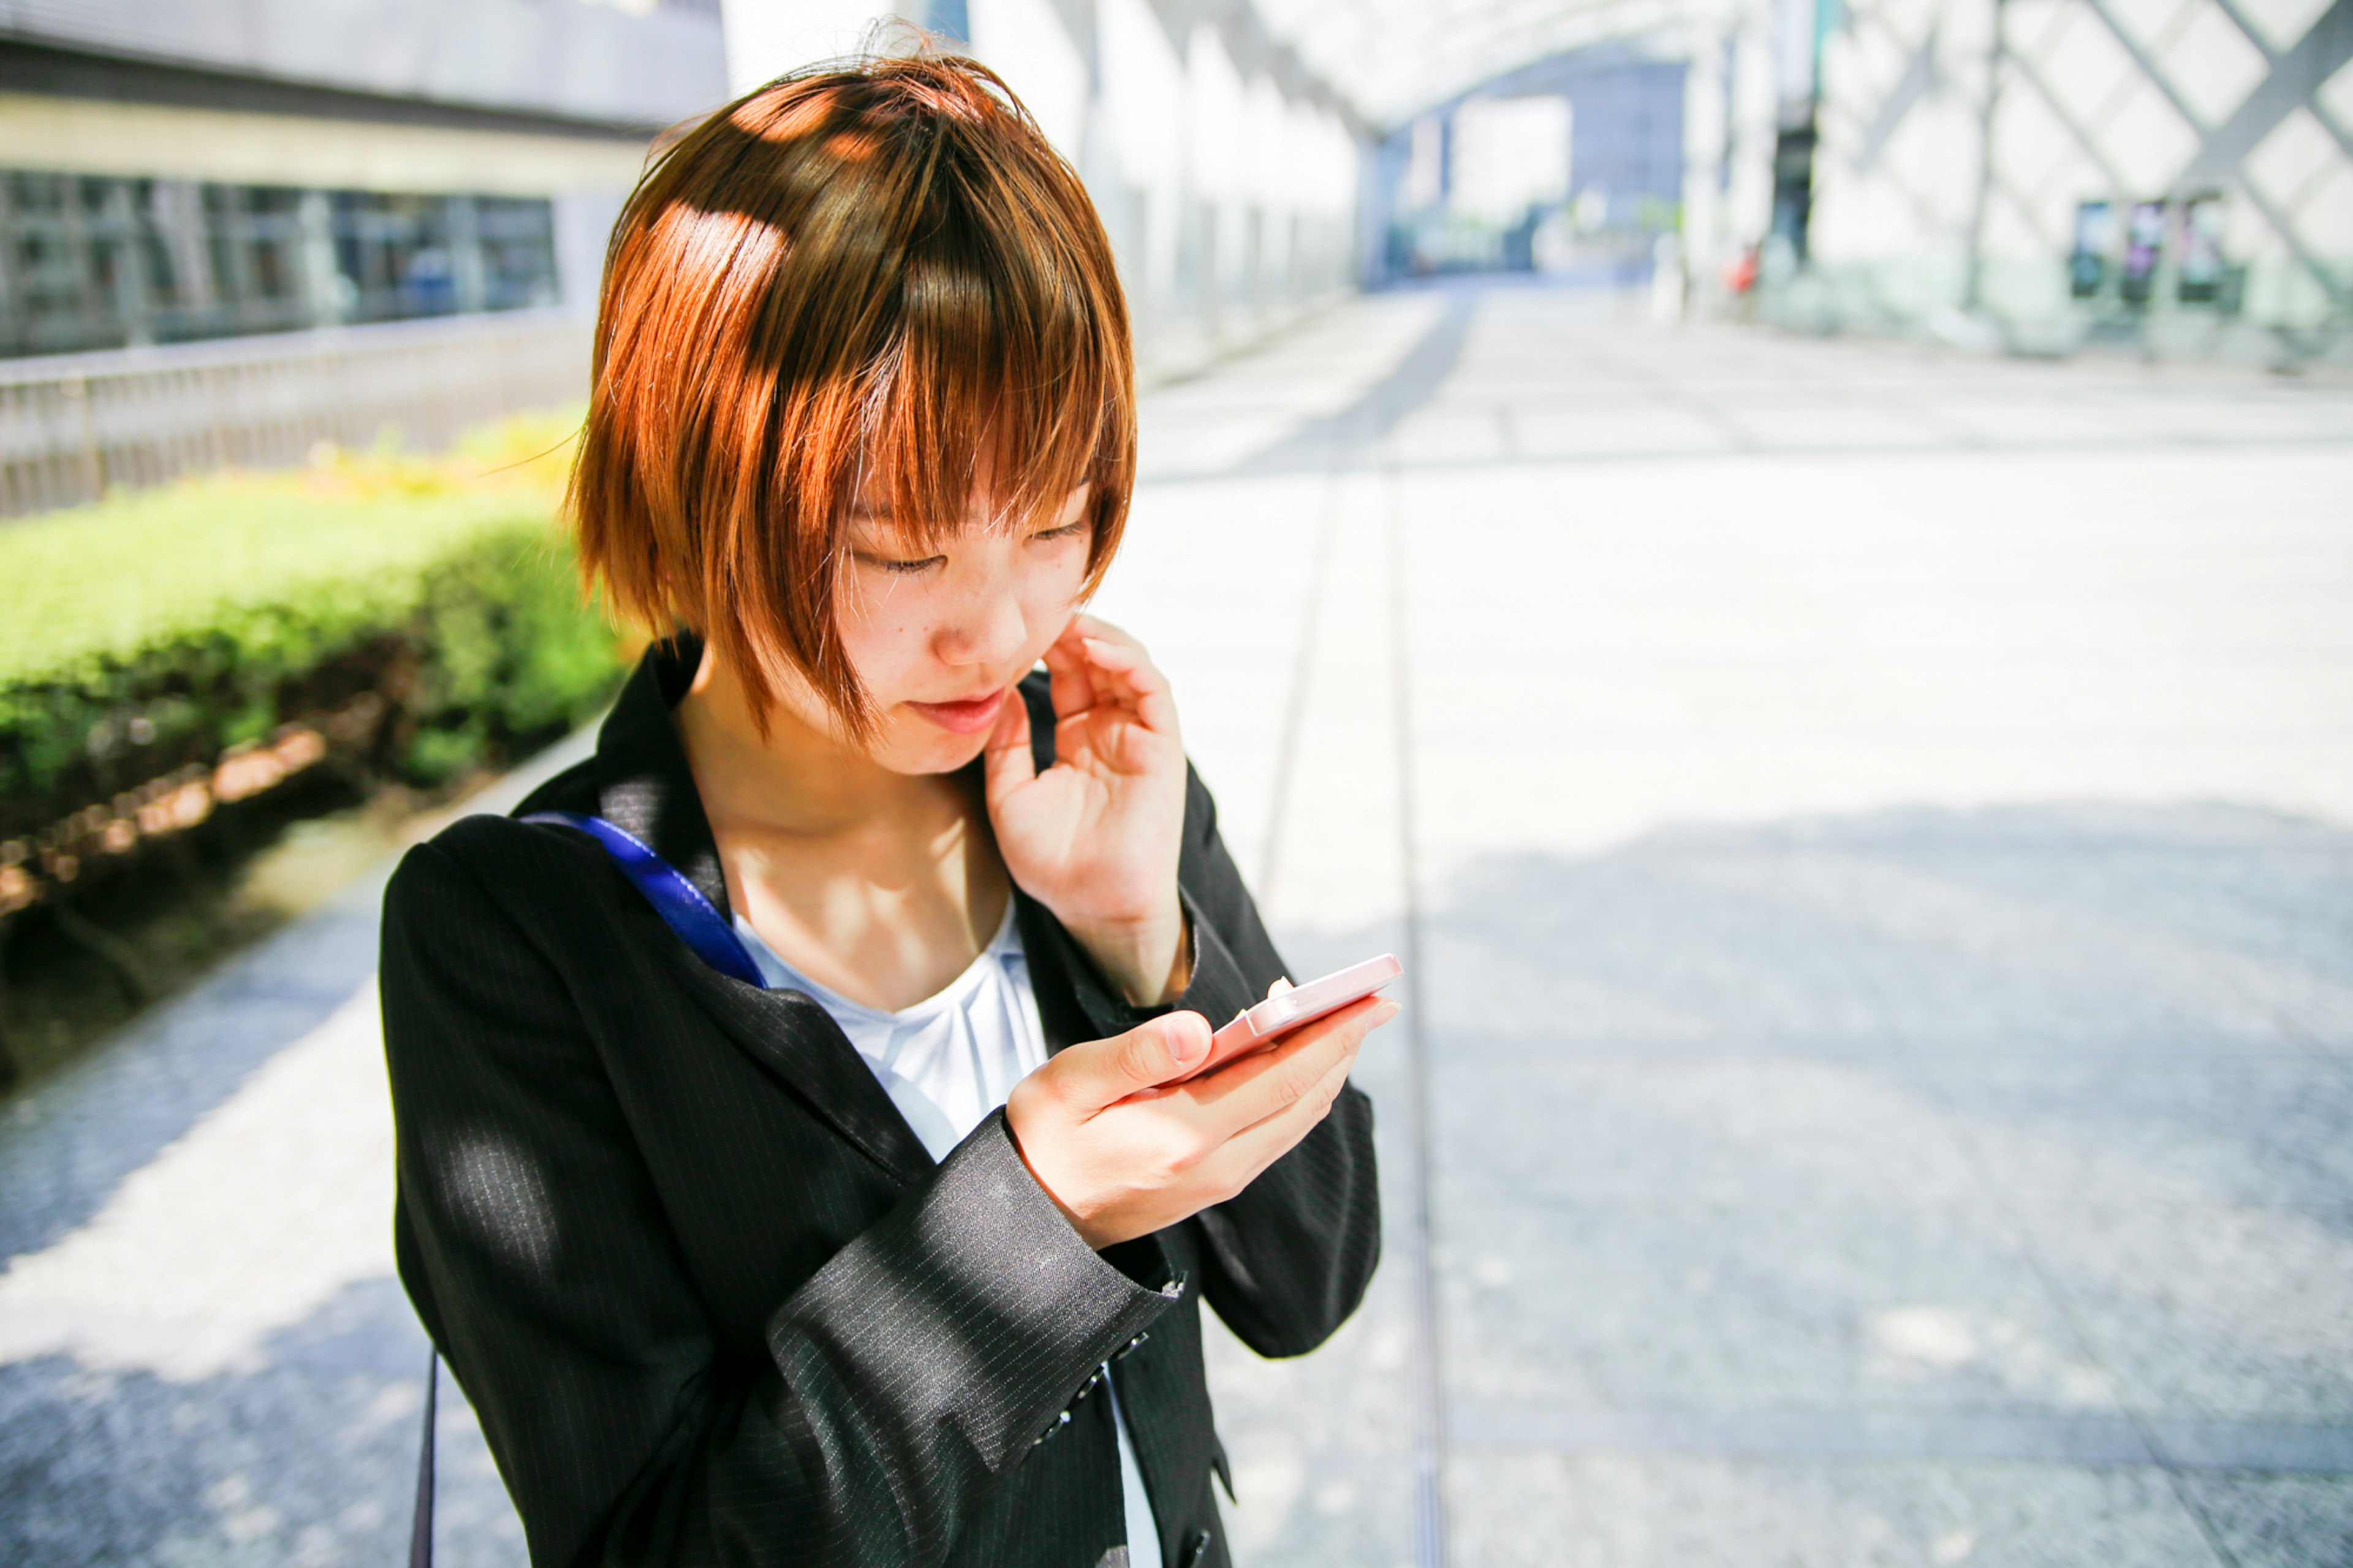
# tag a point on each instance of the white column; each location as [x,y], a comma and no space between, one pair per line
[1748,202]
[1705,143]
[766,38]
[1143,110]
[1027,43]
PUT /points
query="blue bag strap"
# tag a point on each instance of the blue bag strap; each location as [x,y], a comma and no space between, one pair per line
[681,906]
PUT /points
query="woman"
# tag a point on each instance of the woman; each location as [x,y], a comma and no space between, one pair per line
[830,1268]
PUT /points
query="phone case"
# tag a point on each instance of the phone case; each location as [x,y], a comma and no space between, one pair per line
[1303,1004]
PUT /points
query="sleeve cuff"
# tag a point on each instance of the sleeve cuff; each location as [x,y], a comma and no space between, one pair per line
[974,1302]
[1217,988]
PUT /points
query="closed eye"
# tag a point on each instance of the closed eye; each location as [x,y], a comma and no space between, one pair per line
[896,567]
[1067,531]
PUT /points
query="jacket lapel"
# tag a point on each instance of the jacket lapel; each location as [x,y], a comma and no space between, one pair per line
[796,1038]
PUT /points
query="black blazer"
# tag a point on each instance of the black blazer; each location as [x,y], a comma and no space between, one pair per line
[710,1298]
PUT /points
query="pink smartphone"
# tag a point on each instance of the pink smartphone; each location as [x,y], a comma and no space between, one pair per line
[1301,1004]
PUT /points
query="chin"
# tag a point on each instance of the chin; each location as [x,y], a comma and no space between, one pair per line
[922,748]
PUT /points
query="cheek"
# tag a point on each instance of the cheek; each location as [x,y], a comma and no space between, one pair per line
[1050,590]
[885,634]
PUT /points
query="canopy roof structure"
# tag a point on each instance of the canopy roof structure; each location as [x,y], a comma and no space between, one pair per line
[1393,58]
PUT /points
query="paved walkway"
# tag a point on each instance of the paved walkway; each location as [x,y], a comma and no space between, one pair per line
[1873,830]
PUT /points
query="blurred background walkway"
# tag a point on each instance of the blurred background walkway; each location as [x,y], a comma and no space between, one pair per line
[1870,826]
[1800,572]
[1872,845]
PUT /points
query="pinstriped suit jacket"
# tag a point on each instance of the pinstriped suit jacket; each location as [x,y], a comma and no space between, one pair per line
[712,1299]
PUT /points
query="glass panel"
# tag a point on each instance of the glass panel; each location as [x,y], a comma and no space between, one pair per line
[88,262]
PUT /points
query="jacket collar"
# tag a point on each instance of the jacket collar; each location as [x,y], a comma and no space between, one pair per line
[643,783]
[639,781]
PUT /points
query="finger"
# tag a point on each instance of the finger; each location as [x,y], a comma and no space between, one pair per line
[1092,629]
[1257,1084]
[1098,1073]
[1135,681]
[1127,681]
[1008,763]
[1067,667]
[1102,630]
[1242,1157]
[1279,986]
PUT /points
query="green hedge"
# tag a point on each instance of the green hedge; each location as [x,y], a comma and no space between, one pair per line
[163,627]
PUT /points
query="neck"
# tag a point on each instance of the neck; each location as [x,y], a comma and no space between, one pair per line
[801,778]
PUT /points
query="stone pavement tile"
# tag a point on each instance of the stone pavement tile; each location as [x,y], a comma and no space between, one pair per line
[1321,1513]
[2277,1522]
[2239,923]
[1634,947]
[1717,1305]
[306,1459]
[1902,928]
[2207,1309]
[1319,1445]
[2218,415]
[1449,432]
[1956,967]
[2254,1130]
[2284,1448]
[1524,1509]
[1841,423]
[2238,882]
[1788,1130]
[1627,427]
[68,1140]
[1348,1401]
[2047,417]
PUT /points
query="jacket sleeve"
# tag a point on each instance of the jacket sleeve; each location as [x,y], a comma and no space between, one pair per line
[1287,1260]
[901,1380]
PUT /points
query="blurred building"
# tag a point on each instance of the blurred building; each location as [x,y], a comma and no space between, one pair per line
[227,231]
[2034,174]
[2178,174]
[293,223]
[1572,166]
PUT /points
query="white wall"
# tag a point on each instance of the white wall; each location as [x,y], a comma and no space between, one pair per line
[599,62]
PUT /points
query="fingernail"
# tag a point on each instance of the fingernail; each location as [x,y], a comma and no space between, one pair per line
[1187,1038]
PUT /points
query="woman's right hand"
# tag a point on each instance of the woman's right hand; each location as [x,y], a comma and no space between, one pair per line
[1123,1156]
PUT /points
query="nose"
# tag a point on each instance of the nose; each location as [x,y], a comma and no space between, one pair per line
[986,627]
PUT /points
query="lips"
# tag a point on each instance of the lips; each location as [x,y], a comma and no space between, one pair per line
[968,717]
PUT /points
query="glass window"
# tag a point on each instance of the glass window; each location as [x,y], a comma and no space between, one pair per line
[88,262]
[518,239]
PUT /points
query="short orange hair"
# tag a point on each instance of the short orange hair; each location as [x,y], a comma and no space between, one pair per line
[883,265]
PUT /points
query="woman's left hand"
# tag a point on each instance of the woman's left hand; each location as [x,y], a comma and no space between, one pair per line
[1094,838]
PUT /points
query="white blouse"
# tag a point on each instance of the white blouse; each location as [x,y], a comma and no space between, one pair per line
[946,1062]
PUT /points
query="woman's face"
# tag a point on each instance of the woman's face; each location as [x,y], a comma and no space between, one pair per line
[939,636]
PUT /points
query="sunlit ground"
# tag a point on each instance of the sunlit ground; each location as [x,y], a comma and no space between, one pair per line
[1876,827]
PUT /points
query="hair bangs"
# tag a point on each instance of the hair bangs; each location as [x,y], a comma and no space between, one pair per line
[996,397]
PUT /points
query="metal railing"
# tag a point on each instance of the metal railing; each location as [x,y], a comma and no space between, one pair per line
[73,426]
